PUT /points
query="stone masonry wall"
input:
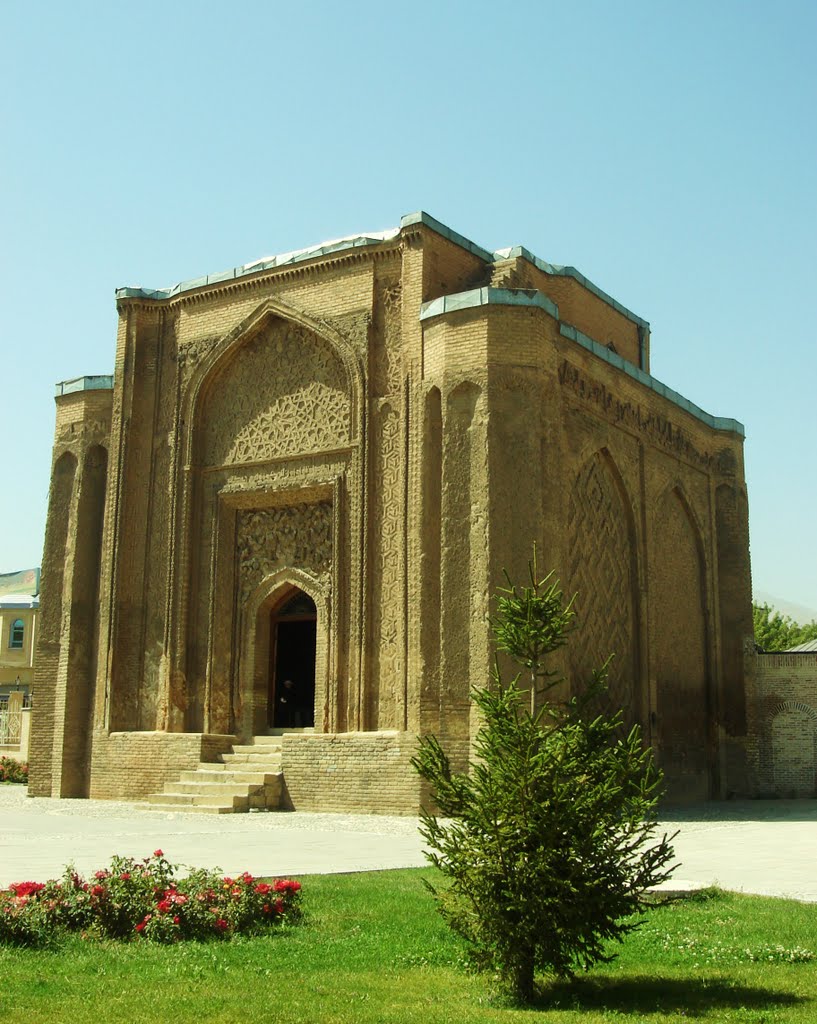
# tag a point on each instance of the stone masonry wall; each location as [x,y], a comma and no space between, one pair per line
[782,747]
[365,773]
[130,765]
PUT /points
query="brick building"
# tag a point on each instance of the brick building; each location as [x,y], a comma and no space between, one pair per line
[316,467]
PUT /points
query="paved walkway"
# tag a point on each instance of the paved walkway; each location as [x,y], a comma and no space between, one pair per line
[767,847]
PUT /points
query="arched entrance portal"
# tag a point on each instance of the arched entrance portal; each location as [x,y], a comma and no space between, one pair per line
[293,632]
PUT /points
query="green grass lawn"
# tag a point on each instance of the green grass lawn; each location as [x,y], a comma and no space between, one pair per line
[372,948]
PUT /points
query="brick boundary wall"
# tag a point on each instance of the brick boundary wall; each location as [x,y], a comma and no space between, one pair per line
[782,741]
[363,773]
[130,765]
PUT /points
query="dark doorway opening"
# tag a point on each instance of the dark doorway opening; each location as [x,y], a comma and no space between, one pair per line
[293,632]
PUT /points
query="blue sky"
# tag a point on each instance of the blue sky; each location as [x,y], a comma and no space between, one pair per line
[667,150]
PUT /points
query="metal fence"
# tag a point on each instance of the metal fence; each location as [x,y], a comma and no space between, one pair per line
[11,725]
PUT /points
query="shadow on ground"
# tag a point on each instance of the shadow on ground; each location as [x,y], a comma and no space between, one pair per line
[645,995]
[740,810]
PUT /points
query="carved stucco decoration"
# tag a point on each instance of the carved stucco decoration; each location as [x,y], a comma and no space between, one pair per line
[658,429]
[192,352]
[296,536]
[285,393]
[388,355]
[84,430]
[386,568]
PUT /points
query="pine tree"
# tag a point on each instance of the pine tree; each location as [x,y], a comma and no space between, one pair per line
[547,844]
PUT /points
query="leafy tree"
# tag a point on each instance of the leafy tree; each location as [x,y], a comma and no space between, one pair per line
[777,632]
[547,845]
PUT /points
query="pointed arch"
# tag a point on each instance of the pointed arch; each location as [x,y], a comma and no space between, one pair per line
[251,704]
[680,648]
[213,362]
[603,571]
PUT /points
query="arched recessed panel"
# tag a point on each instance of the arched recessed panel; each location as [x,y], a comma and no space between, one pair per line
[679,652]
[602,573]
[794,750]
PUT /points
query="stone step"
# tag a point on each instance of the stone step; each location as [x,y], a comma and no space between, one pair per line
[205,788]
[182,801]
[211,773]
[248,778]
[263,751]
[213,808]
[251,757]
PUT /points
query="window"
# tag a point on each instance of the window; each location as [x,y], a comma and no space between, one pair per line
[18,630]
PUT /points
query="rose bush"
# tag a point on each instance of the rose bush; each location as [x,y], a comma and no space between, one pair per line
[143,899]
[13,771]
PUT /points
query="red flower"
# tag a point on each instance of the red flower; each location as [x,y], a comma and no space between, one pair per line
[163,906]
[101,874]
[176,919]
[158,853]
[125,876]
[26,888]
[98,890]
[221,924]
[262,888]
[140,927]
[266,908]
[279,906]
[286,885]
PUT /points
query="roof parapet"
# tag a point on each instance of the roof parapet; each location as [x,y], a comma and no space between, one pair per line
[488,297]
[103,382]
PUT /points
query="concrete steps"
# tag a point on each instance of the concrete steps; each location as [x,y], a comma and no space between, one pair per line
[249,778]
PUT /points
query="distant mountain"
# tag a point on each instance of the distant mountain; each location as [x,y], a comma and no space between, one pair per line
[799,612]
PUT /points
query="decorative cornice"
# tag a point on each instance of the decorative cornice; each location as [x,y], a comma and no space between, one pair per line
[217,286]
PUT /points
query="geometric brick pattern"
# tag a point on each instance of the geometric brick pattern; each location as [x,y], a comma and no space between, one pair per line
[600,574]
[387,525]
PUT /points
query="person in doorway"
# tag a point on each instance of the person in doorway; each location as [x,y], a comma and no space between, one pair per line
[289,706]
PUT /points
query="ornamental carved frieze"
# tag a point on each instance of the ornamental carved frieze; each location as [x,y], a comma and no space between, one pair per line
[658,429]
[85,430]
[192,352]
[285,393]
[294,537]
